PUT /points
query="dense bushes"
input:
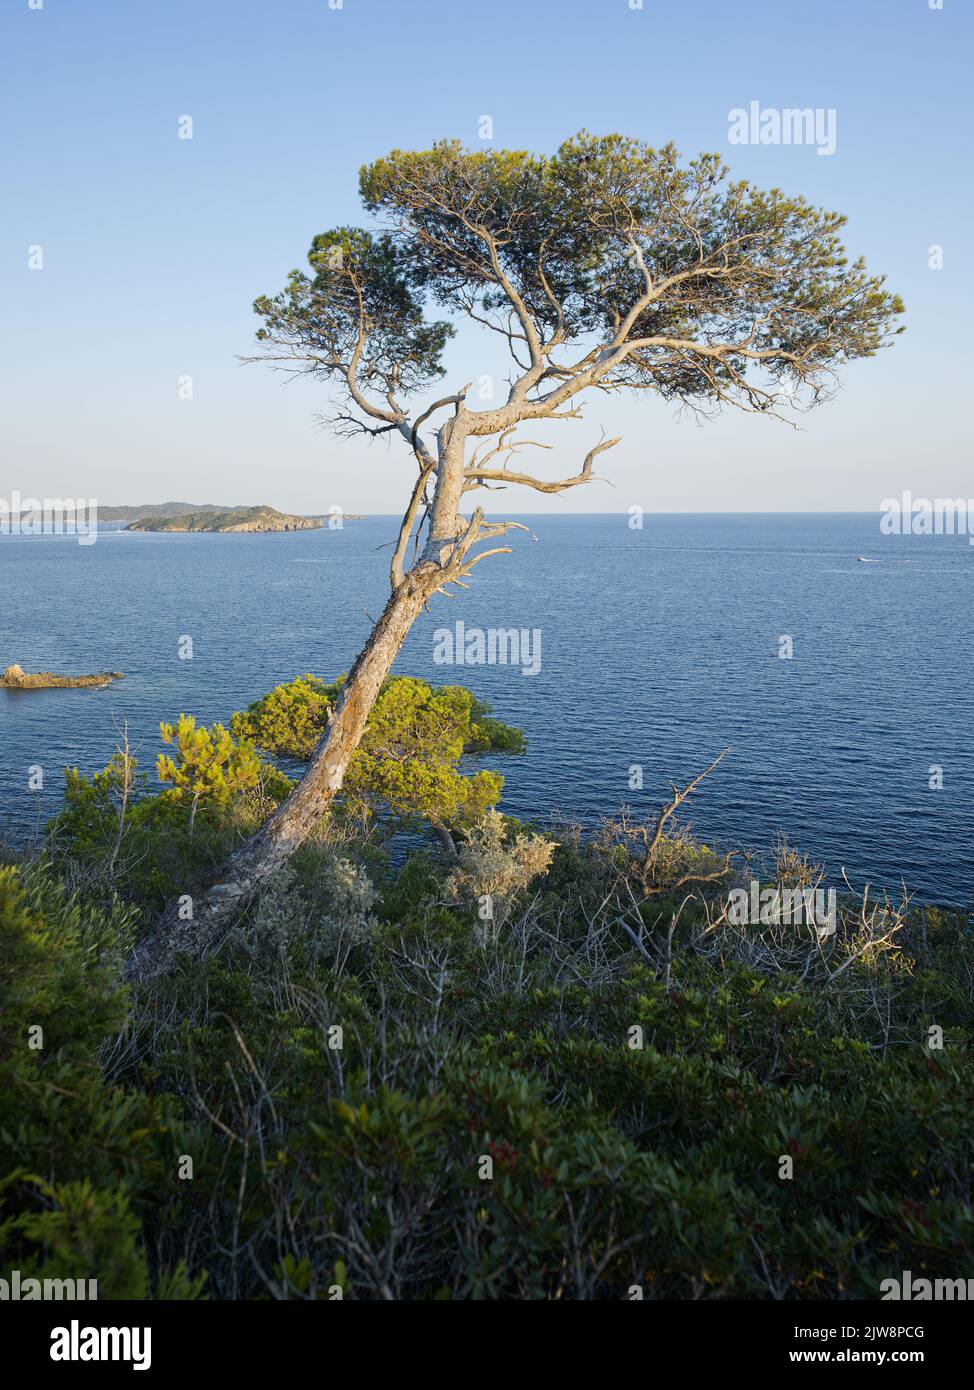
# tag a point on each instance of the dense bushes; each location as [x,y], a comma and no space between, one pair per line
[367,1092]
[86,1163]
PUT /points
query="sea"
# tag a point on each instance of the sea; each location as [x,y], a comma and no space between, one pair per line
[835,663]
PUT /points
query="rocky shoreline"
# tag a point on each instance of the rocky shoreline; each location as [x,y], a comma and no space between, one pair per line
[16,678]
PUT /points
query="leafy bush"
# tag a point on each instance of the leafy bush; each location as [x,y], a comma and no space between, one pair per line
[495,867]
[289,720]
[407,764]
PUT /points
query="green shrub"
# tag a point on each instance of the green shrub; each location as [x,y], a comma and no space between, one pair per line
[85,1164]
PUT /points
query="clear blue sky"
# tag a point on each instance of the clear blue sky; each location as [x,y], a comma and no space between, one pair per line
[154,247]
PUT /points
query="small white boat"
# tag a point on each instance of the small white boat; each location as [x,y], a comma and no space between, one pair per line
[866,560]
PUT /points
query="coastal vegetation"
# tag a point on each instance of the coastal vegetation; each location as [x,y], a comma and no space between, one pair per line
[543,1064]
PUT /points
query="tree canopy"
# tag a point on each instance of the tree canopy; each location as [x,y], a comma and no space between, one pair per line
[609,264]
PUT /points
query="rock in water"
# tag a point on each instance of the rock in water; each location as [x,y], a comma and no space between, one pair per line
[16,678]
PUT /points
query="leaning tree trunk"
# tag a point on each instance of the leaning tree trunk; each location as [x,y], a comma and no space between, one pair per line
[217,901]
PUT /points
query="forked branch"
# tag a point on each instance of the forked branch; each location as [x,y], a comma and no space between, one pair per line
[478,475]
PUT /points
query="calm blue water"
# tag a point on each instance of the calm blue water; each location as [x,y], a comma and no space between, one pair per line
[659,647]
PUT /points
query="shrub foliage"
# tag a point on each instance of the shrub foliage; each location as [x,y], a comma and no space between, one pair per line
[367,1091]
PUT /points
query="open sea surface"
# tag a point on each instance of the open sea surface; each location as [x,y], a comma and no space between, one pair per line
[658,647]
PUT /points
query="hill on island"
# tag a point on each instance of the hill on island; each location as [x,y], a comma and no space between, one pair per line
[158,509]
[122,514]
[238,519]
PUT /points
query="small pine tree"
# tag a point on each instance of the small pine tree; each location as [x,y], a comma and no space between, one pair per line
[211,768]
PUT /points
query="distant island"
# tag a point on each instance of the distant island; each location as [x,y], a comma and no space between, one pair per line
[238,519]
[149,517]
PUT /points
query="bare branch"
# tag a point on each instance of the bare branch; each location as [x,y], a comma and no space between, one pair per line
[504,475]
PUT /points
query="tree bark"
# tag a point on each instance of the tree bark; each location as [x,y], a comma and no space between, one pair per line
[445,838]
[217,901]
